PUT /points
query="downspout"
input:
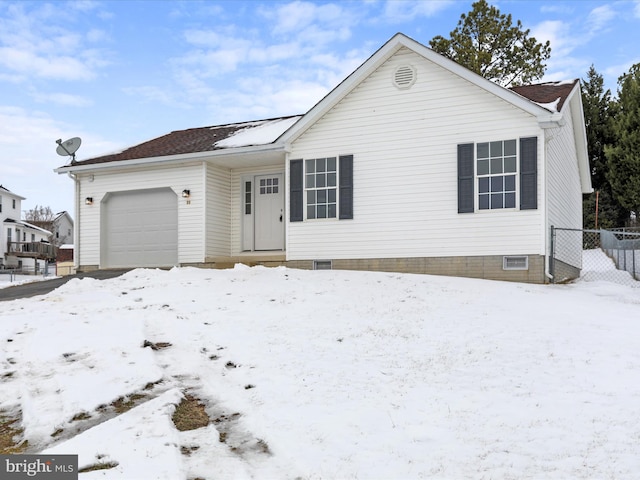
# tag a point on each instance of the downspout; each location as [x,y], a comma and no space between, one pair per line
[76,229]
[548,251]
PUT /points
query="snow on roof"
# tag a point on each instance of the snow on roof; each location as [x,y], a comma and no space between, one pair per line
[553,106]
[30,225]
[258,133]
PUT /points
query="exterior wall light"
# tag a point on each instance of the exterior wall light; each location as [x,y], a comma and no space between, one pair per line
[88,201]
[186,193]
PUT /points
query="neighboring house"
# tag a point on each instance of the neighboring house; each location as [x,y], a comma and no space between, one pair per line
[24,245]
[61,226]
[411,164]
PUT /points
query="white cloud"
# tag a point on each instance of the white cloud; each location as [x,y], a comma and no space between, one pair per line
[398,11]
[600,17]
[558,33]
[52,67]
[36,41]
[613,72]
[28,139]
[297,16]
[64,99]
[153,94]
[557,8]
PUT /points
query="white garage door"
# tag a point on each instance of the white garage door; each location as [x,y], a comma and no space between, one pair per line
[140,229]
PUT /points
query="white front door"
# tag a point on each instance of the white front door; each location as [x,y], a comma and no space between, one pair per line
[269,214]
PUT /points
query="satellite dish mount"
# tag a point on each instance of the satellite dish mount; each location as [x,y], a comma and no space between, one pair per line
[69,147]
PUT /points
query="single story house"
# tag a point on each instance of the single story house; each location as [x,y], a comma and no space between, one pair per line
[411,164]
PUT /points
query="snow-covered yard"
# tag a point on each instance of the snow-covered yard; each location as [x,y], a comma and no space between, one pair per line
[329,375]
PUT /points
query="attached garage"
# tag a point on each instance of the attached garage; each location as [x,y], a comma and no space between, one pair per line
[139,229]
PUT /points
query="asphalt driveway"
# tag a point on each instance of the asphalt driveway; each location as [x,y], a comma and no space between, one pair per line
[40,288]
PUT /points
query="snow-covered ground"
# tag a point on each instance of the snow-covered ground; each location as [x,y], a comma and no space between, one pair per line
[330,375]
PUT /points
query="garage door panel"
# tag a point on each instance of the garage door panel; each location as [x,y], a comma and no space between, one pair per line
[140,229]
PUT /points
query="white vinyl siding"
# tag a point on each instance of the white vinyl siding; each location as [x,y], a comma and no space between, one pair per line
[190,215]
[218,213]
[564,189]
[404,144]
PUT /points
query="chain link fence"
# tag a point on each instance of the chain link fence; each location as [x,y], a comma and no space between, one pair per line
[610,255]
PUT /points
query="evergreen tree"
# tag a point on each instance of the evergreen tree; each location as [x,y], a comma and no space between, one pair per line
[599,108]
[486,42]
[623,154]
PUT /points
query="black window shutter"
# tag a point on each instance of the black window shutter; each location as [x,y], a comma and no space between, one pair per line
[296,191]
[345,167]
[465,178]
[529,173]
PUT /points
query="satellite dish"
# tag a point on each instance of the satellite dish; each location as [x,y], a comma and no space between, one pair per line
[68,147]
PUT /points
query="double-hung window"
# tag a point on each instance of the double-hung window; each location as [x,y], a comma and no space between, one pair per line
[496,170]
[321,188]
[498,175]
[321,183]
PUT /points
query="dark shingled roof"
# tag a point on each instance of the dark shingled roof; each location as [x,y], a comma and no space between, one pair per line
[546,92]
[203,139]
[192,140]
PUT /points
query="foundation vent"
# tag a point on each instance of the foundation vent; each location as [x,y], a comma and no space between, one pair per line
[515,263]
[322,265]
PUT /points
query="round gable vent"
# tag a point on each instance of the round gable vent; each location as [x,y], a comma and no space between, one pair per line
[404,76]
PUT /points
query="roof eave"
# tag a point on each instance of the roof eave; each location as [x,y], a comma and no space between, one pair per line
[172,159]
[551,120]
[580,134]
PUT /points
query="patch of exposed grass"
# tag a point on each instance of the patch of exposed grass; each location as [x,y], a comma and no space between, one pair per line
[126,403]
[156,346]
[263,447]
[188,450]
[98,466]
[190,414]
[11,440]
[81,416]
[152,385]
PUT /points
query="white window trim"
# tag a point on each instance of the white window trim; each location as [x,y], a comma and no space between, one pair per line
[305,189]
[476,185]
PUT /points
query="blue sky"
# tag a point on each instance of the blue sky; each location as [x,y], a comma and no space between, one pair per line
[117,73]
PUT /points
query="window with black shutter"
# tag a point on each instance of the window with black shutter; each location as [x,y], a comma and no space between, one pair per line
[296,191]
[501,172]
[322,188]
[529,173]
[465,178]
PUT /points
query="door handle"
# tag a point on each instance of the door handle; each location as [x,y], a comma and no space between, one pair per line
[281,217]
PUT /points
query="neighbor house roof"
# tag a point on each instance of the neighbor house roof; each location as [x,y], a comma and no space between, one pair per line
[24,224]
[203,139]
[5,189]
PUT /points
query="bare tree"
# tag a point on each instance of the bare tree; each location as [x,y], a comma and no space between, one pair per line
[43,217]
